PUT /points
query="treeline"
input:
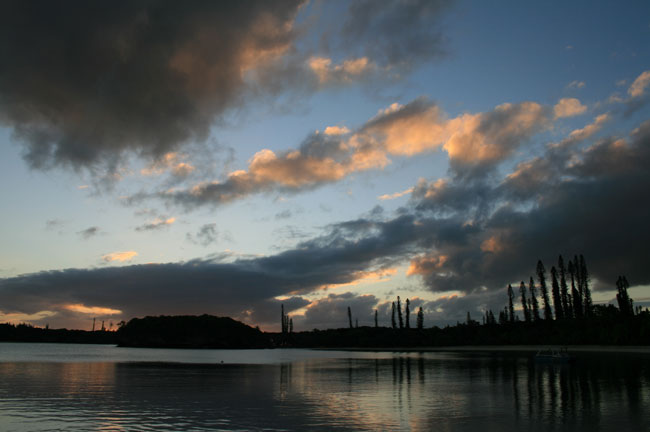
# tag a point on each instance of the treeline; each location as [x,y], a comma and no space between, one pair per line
[571,294]
[562,313]
[29,333]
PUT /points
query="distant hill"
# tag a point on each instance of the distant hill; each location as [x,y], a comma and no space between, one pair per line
[205,331]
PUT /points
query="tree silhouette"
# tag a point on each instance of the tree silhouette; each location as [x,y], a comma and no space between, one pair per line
[625,304]
[541,276]
[567,308]
[284,319]
[392,317]
[290,325]
[511,307]
[524,303]
[557,297]
[399,313]
[588,303]
[376,322]
[350,316]
[575,294]
[533,299]
[420,320]
[408,314]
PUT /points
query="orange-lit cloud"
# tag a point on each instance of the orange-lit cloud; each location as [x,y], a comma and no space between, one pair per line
[637,88]
[590,129]
[156,224]
[492,244]
[568,107]
[18,318]
[170,162]
[395,195]
[382,275]
[400,130]
[119,256]
[92,310]
[327,72]
[336,130]
[424,265]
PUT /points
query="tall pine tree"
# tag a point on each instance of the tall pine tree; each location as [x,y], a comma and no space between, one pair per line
[541,276]
[399,313]
[567,307]
[408,313]
[350,316]
[588,303]
[392,316]
[575,295]
[533,299]
[625,303]
[524,302]
[511,306]
[557,297]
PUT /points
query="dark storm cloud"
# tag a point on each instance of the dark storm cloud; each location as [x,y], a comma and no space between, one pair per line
[244,289]
[573,200]
[89,232]
[82,82]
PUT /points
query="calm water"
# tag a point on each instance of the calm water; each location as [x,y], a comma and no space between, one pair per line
[81,387]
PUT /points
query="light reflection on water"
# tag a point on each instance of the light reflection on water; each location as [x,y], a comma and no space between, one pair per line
[344,391]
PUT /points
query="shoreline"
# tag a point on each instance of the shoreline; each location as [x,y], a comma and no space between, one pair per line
[620,349]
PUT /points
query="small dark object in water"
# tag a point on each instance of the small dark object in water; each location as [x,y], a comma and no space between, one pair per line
[554,355]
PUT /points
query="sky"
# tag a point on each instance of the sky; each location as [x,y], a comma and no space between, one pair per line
[231,157]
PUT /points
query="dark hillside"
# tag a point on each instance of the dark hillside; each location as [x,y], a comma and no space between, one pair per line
[203,331]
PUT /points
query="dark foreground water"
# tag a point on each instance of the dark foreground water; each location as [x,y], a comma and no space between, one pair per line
[80,387]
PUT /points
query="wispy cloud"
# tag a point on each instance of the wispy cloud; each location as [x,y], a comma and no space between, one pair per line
[156,224]
[89,232]
[395,195]
[576,84]
[119,256]
[637,88]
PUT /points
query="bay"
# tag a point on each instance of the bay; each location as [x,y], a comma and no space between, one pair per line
[48,387]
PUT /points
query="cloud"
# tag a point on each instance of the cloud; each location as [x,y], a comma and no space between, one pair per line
[205,236]
[576,84]
[336,130]
[92,310]
[332,312]
[170,162]
[119,256]
[284,214]
[54,224]
[245,289]
[397,35]
[347,71]
[395,195]
[638,86]
[474,142]
[156,224]
[589,130]
[144,78]
[487,234]
[89,232]
[586,199]
[568,107]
